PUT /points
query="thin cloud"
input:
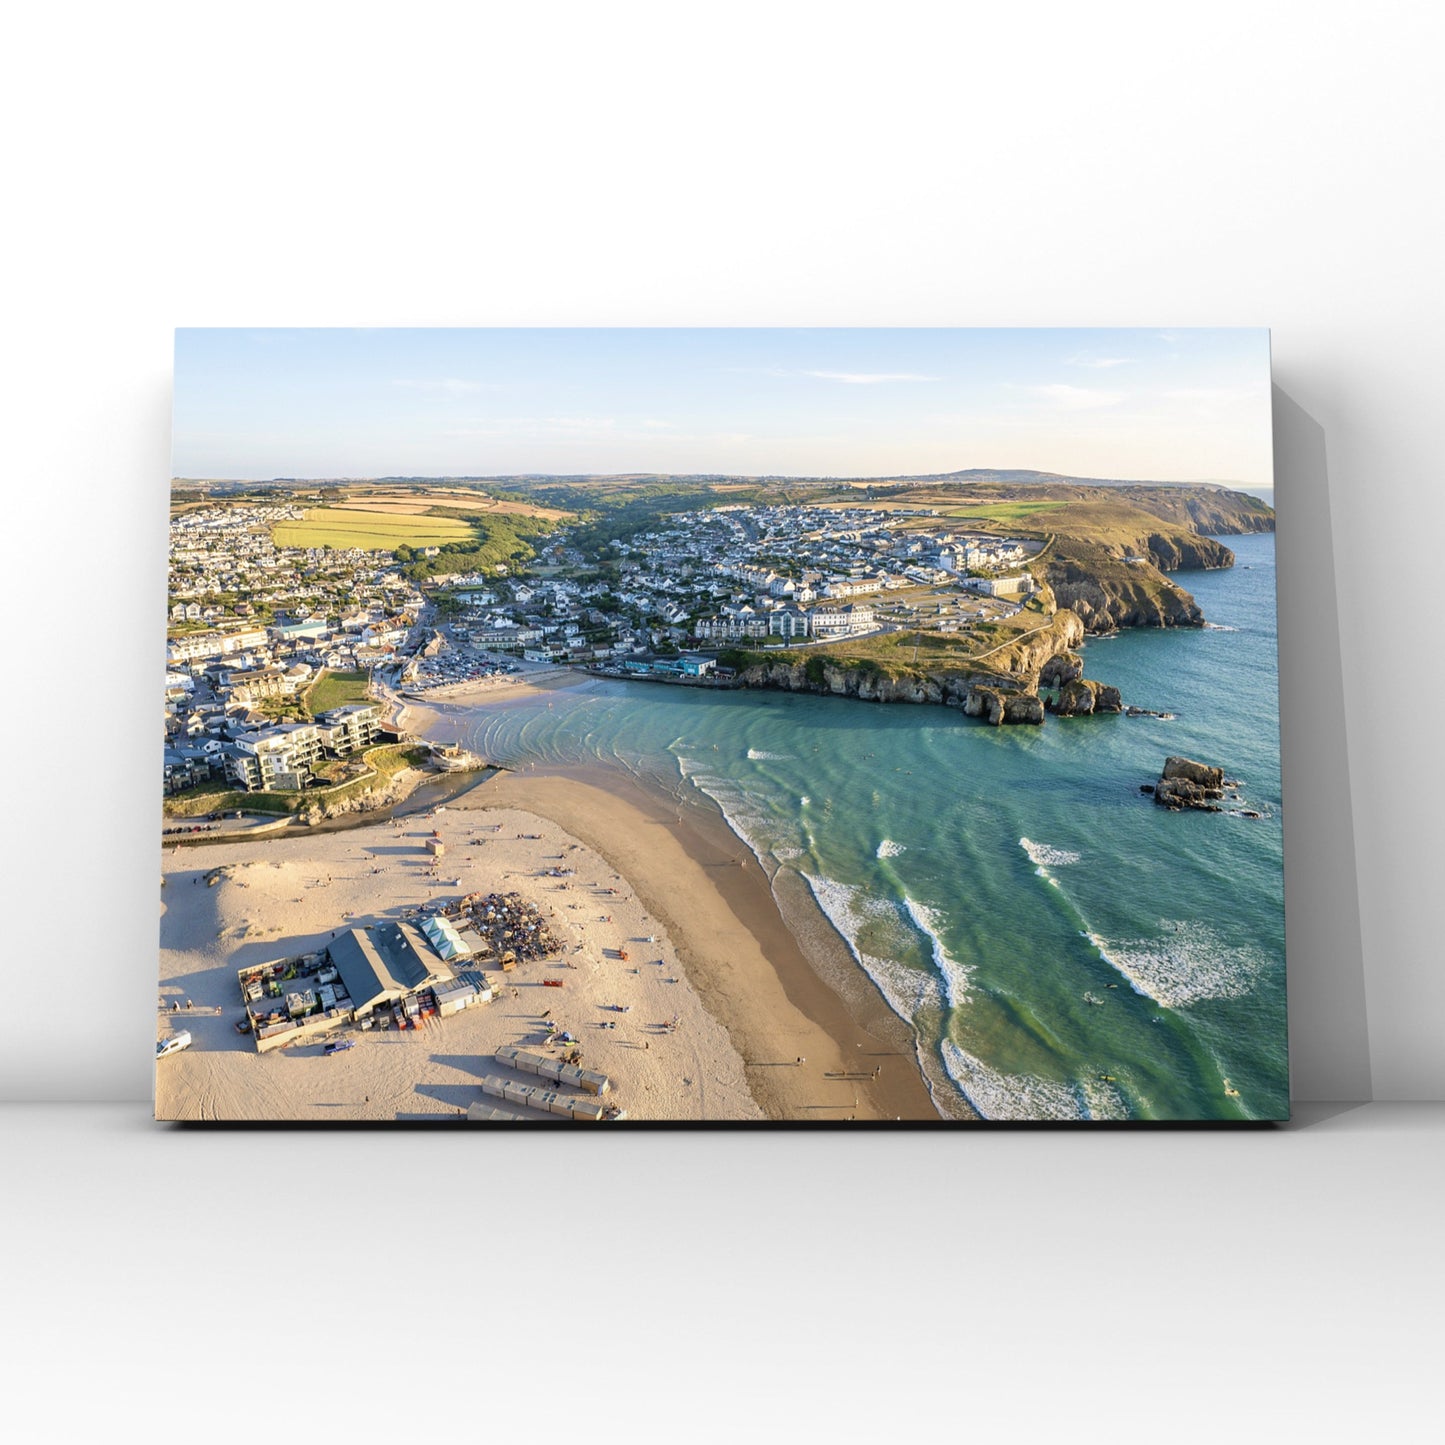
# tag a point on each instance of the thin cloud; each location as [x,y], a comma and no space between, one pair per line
[848,378]
[867,378]
[448,385]
[1076,398]
[1212,395]
[1101,362]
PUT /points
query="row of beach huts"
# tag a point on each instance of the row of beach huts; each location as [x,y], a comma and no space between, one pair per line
[540,1096]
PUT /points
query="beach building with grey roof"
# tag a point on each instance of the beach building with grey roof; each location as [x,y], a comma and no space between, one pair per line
[384,963]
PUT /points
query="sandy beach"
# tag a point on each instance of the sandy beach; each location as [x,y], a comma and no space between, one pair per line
[760,1034]
[772,969]
[279,897]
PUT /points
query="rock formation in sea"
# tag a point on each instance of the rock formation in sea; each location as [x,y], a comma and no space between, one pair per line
[1187,784]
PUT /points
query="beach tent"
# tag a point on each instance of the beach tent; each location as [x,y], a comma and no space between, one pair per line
[444,937]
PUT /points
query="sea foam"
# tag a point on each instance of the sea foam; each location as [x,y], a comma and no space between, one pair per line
[956,976]
[889,849]
[750,825]
[906,990]
[1042,856]
[993,1094]
[1186,965]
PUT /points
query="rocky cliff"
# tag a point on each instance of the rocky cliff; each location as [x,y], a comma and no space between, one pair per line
[1002,689]
[1080,697]
[1026,657]
[1170,552]
[1061,668]
[999,705]
[1107,593]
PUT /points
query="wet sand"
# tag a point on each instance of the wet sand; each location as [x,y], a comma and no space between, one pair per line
[701,882]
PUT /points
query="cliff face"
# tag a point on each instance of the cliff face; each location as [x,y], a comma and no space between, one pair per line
[1171,552]
[1080,697]
[1061,668]
[836,680]
[1026,658]
[1006,693]
[996,705]
[1108,596]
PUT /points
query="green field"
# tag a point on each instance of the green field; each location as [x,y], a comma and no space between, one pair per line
[335,689]
[371,531]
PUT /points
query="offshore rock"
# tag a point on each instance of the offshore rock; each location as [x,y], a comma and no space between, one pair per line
[1188,769]
[1187,784]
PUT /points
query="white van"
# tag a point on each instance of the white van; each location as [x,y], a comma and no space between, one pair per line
[173,1045]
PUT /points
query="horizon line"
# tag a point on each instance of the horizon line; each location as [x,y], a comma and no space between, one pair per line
[729,476]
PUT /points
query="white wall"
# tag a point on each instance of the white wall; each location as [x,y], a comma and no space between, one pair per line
[654,164]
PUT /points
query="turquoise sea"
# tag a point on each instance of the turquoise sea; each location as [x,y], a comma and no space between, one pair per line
[1061,947]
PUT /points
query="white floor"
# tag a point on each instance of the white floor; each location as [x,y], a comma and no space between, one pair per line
[1280,1284]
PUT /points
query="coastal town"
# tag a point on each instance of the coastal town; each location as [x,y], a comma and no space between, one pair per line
[321,639]
[291,670]
[261,632]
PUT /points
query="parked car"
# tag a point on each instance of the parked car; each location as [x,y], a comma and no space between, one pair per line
[173,1045]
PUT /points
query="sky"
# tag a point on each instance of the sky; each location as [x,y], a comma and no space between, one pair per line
[1132,404]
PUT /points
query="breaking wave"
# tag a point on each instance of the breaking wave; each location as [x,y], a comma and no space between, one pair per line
[956,976]
[1042,856]
[906,990]
[889,849]
[993,1094]
[1185,966]
[758,755]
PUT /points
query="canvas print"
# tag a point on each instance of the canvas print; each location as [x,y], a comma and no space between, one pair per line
[821,727]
